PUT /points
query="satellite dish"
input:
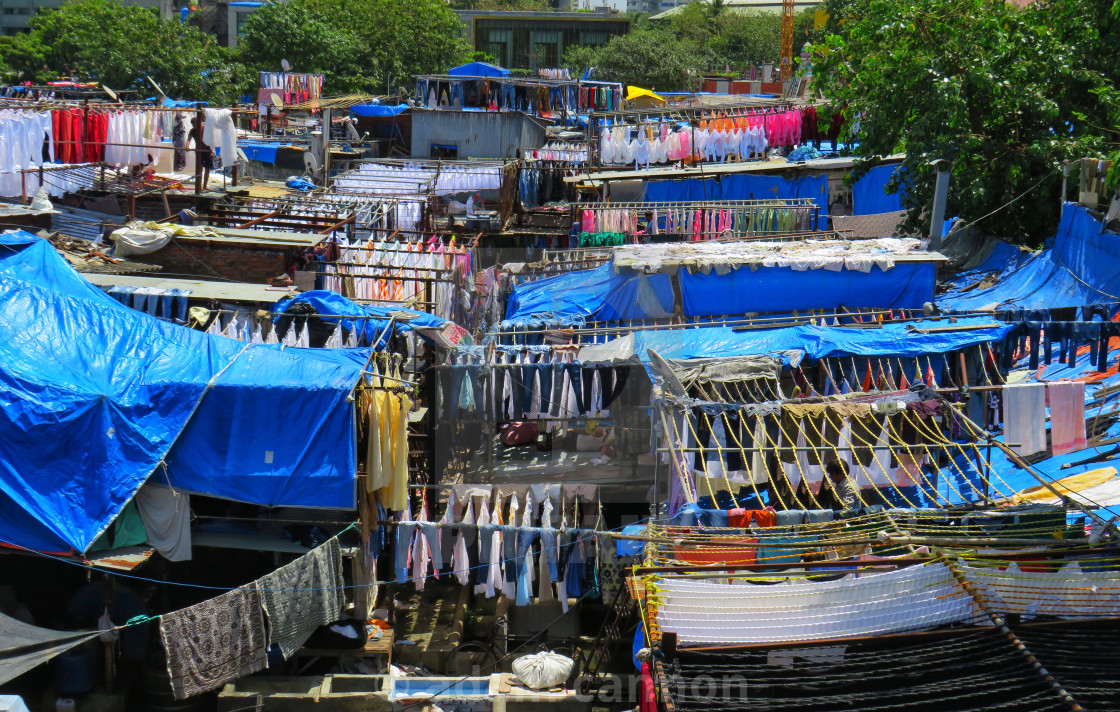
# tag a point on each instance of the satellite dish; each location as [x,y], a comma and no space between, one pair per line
[352,131]
[284,63]
[157,87]
[112,94]
[277,101]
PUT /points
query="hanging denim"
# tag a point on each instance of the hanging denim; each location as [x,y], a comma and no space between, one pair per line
[485,539]
[509,553]
[550,551]
[575,371]
[405,532]
[525,540]
[431,533]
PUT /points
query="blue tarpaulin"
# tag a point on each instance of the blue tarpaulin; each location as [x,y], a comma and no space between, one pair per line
[869,193]
[262,151]
[328,303]
[741,187]
[378,109]
[892,339]
[907,285]
[478,69]
[94,395]
[1081,268]
[596,294]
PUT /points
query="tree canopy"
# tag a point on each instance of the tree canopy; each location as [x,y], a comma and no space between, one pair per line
[360,45]
[371,45]
[1006,95]
[674,54]
[118,45]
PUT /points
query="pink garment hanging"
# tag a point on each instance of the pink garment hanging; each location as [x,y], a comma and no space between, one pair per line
[1067,416]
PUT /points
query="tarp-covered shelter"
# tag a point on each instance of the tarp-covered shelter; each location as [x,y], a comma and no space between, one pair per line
[720,278]
[1077,269]
[478,69]
[95,398]
[905,339]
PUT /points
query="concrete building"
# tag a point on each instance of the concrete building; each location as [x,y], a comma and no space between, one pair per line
[14,14]
[474,134]
[529,40]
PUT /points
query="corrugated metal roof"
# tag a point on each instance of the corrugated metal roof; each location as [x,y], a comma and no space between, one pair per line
[224,291]
[84,224]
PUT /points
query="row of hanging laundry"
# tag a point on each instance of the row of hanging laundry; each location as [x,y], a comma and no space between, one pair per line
[645,145]
[241,326]
[695,224]
[886,442]
[229,636]
[518,383]
[511,541]
[293,87]
[431,273]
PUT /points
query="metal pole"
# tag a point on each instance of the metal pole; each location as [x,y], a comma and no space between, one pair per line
[940,195]
[326,146]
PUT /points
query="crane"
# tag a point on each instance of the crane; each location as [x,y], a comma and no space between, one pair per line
[787,41]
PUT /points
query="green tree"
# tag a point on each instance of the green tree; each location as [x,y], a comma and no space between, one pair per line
[370,45]
[1004,94]
[24,56]
[653,58]
[119,45]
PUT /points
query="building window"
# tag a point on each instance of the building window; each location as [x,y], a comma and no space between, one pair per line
[546,45]
[9,11]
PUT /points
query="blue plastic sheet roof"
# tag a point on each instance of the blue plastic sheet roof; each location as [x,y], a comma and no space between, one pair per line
[378,109]
[331,304]
[907,285]
[94,396]
[478,69]
[892,339]
[1082,267]
[601,294]
[598,294]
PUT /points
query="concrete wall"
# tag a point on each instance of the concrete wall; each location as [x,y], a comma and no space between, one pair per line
[477,134]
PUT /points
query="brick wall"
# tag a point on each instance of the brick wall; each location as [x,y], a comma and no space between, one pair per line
[234,261]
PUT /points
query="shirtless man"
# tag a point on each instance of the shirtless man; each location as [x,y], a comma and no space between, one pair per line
[203,151]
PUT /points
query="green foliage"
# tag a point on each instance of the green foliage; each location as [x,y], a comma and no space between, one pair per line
[522,5]
[24,56]
[671,55]
[652,58]
[1006,95]
[361,45]
[117,45]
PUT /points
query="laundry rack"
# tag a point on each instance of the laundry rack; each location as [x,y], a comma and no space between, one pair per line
[693,221]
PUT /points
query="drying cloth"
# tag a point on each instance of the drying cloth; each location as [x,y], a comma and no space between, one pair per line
[1024,417]
[215,641]
[303,595]
[167,518]
[1067,417]
[24,646]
